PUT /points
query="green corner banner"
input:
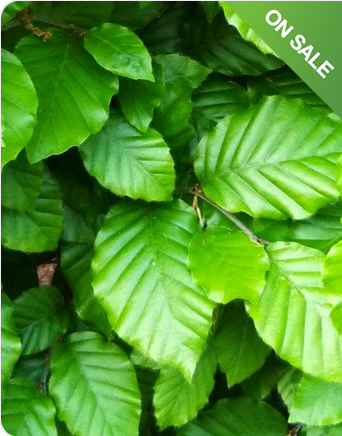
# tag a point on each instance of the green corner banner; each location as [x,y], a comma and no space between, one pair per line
[306,35]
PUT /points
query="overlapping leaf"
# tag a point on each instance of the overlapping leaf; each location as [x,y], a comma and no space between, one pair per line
[73,90]
[21,183]
[10,341]
[176,401]
[138,100]
[317,402]
[228,265]
[76,266]
[27,411]
[141,279]
[40,318]
[11,10]
[236,417]
[18,106]
[215,99]
[332,275]
[37,230]
[252,161]
[221,48]
[245,31]
[321,231]
[129,162]
[282,82]
[120,51]
[293,315]
[94,387]
[239,349]
[181,75]
[334,430]
[336,317]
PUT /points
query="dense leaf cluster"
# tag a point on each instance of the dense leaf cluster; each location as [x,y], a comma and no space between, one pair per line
[171,227]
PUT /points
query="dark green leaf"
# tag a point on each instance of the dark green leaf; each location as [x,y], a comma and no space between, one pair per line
[11,10]
[40,318]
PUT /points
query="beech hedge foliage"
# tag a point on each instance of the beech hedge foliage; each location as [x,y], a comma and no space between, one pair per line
[171,227]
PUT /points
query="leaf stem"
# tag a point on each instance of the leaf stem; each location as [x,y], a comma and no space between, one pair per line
[198,193]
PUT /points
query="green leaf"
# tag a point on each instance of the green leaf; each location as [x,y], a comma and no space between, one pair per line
[138,100]
[177,401]
[339,175]
[245,31]
[11,10]
[336,317]
[132,16]
[81,13]
[142,161]
[334,430]
[260,384]
[181,75]
[245,171]
[10,341]
[287,385]
[211,9]
[33,367]
[141,279]
[120,51]
[236,417]
[320,231]
[215,99]
[332,274]
[293,314]
[73,91]
[18,106]
[38,230]
[240,351]
[76,267]
[21,183]
[221,48]
[282,82]
[94,387]
[243,261]
[40,318]
[26,411]
[317,402]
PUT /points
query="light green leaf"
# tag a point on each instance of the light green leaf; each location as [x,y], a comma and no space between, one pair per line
[251,161]
[293,314]
[215,99]
[26,411]
[21,183]
[221,48]
[38,230]
[237,417]
[181,75]
[177,401]
[141,279]
[18,106]
[332,274]
[282,82]
[120,51]
[94,387]
[138,100]
[317,402]
[40,318]
[142,161]
[287,385]
[228,265]
[320,231]
[339,175]
[336,317]
[10,341]
[240,351]
[73,91]
[11,10]
[245,31]
[334,430]
[76,267]
[139,359]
